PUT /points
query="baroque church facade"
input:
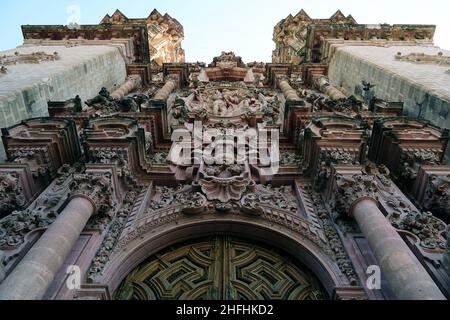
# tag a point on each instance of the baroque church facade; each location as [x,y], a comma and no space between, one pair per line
[130,174]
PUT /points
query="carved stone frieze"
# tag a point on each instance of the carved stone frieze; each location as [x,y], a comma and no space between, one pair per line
[112,236]
[266,197]
[183,197]
[275,205]
[227,100]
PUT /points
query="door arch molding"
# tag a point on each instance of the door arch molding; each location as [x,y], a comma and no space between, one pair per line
[123,262]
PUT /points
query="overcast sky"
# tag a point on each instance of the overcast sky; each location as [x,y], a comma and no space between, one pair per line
[212,26]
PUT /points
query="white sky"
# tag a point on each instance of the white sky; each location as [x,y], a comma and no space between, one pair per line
[212,26]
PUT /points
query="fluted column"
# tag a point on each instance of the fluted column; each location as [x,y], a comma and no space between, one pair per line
[169,87]
[32,277]
[407,277]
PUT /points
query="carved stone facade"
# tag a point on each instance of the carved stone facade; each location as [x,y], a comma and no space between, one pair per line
[165,35]
[187,169]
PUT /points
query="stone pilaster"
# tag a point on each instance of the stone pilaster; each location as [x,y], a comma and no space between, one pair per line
[30,280]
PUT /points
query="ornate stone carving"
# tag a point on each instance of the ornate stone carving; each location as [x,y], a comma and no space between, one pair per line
[38,158]
[159,158]
[183,197]
[95,187]
[290,159]
[112,236]
[40,214]
[327,159]
[224,183]
[437,198]
[411,162]
[281,198]
[11,196]
[227,100]
[290,35]
[351,189]
[334,240]
[425,226]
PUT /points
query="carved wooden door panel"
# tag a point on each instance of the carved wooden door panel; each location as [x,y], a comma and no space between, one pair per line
[220,269]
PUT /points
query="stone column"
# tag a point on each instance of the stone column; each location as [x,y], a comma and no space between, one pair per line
[358,196]
[32,277]
[169,87]
[407,277]
[131,83]
[288,91]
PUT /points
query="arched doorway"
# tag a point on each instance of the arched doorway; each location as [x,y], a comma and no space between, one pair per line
[220,268]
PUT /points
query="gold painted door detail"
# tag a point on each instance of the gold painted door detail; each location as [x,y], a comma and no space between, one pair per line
[220,269]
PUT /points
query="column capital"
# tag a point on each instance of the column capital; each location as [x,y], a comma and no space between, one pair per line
[349,190]
[97,188]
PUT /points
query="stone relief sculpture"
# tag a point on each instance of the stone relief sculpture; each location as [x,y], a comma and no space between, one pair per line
[11,196]
[39,215]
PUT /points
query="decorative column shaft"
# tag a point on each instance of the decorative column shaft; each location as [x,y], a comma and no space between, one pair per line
[132,82]
[407,277]
[288,91]
[35,273]
[33,276]
[169,87]
[358,196]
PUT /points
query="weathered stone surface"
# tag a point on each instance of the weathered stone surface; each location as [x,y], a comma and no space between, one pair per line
[83,70]
[423,88]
